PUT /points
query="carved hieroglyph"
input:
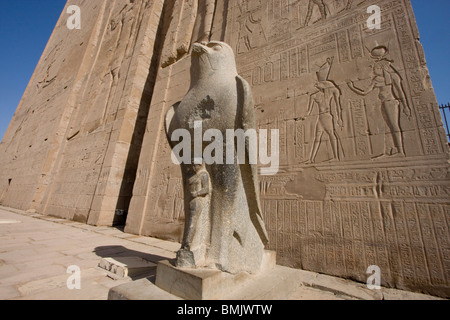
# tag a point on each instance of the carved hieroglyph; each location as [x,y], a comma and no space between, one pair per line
[362,181]
[363,177]
[223,218]
[327,94]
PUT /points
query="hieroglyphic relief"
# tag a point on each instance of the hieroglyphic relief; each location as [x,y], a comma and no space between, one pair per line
[392,97]
[322,9]
[382,200]
[251,31]
[335,217]
[101,90]
[275,187]
[290,61]
[328,94]
[338,236]
[362,162]
[388,183]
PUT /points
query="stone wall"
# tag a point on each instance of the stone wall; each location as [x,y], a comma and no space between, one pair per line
[364,174]
[384,200]
[73,145]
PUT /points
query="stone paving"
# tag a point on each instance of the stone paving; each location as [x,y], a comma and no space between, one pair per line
[36,252]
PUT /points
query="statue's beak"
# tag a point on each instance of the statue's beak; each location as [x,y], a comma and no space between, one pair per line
[199,48]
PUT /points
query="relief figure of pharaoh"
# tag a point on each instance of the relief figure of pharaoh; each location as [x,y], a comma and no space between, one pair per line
[388,83]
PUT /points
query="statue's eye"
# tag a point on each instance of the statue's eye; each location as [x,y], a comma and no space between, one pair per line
[215,46]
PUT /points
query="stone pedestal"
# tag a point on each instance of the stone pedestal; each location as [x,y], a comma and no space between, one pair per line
[273,282]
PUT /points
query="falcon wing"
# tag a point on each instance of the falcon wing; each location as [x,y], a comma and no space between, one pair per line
[250,171]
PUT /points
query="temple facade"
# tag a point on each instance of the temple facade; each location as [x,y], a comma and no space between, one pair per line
[363,175]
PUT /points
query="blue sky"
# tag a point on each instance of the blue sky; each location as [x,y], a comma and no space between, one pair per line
[26,25]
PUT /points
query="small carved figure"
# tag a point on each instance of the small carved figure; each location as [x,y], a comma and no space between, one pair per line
[322,9]
[349,4]
[193,248]
[388,82]
[250,33]
[327,94]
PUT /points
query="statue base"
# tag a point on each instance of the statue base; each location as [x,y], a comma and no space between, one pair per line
[271,283]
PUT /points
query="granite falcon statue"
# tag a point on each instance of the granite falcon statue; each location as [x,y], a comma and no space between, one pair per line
[224,228]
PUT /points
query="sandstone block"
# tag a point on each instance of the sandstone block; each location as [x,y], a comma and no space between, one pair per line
[122,267]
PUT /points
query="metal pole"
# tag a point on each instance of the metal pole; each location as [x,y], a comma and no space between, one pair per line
[445,118]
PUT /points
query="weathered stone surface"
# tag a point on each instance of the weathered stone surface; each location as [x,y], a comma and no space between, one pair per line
[34,267]
[72,148]
[5,221]
[195,284]
[122,267]
[206,284]
[363,177]
[223,226]
[142,289]
[271,283]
